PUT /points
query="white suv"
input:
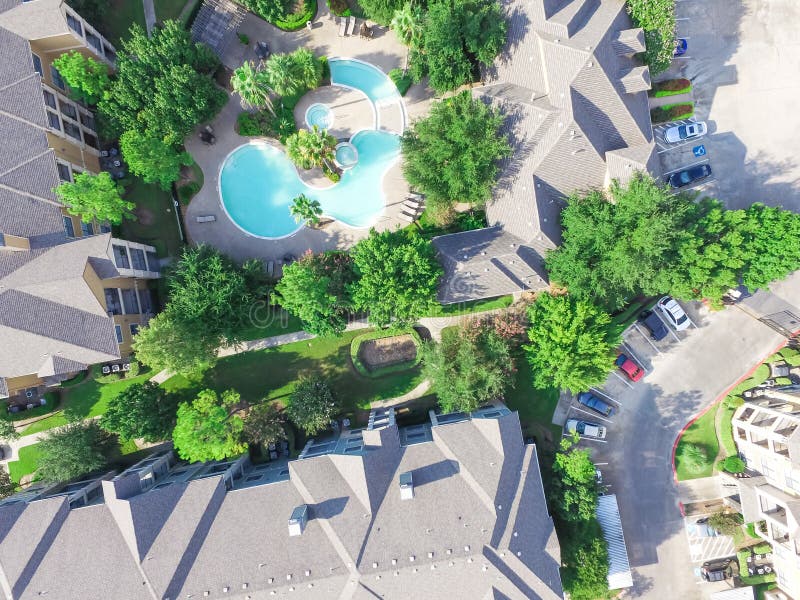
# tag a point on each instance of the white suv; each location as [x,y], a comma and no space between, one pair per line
[673,313]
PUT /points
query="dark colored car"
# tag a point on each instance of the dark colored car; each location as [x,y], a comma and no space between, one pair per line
[591,401]
[681,45]
[690,175]
[630,368]
[719,571]
[651,321]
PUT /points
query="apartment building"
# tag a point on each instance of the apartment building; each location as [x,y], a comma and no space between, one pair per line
[71,295]
[767,432]
[452,508]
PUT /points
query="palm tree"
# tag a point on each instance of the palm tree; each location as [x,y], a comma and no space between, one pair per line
[311,148]
[306,210]
[407,24]
[281,72]
[251,85]
[307,67]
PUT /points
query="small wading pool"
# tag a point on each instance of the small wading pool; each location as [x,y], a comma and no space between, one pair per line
[319,115]
[346,155]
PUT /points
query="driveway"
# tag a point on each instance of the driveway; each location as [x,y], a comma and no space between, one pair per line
[683,380]
[743,60]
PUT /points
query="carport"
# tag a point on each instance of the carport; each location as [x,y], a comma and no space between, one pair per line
[619,568]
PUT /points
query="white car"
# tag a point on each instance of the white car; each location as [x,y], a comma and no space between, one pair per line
[586,429]
[673,313]
[689,131]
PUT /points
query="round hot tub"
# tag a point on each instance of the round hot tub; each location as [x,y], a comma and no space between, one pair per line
[346,155]
[319,115]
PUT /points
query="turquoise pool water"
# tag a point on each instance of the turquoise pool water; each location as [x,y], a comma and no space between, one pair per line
[319,115]
[346,155]
[365,77]
[258,183]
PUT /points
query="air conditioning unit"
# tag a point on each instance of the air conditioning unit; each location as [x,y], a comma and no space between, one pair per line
[106,369]
[126,367]
[29,394]
[115,368]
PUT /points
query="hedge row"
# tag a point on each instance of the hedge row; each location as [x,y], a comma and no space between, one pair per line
[362,369]
[671,112]
[671,87]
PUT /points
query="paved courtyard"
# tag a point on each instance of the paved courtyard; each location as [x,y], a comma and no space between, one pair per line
[743,60]
[352,112]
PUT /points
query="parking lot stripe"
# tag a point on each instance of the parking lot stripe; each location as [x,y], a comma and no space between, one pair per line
[595,415]
[622,379]
[604,395]
[667,326]
[647,337]
[633,354]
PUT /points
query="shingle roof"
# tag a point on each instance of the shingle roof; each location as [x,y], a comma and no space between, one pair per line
[574,97]
[477,527]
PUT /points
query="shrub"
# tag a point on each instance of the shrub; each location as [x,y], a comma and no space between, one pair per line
[673,86]
[296,21]
[339,7]
[734,401]
[725,523]
[188,191]
[263,123]
[694,457]
[401,79]
[243,38]
[671,112]
[732,464]
[326,68]
[657,18]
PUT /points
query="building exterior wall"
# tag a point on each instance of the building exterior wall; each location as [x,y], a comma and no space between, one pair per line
[19,384]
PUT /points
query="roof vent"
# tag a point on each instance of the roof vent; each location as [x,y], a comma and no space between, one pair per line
[297,522]
[406,486]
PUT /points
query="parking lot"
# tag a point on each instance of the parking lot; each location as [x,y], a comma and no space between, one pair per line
[742,61]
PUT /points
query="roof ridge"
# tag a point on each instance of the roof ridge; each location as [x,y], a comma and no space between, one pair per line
[22,164]
[468,477]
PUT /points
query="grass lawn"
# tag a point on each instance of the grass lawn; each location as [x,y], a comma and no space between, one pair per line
[27,463]
[535,406]
[155,223]
[272,374]
[90,399]
[466,308]
[279,322]
[757,580]
[120,15]
[701,433]
[726,431]
[168,9]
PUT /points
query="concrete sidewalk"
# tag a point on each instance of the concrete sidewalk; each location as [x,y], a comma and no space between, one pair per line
[676,99]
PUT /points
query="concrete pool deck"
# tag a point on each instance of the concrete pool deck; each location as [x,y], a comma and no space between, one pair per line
[352,110]
[385,52]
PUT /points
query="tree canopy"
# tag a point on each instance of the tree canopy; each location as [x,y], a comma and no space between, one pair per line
[251,84]
[452,154]
[86,77]
[8,431]
[263,424]
[458,36]
[95,197]
[163,86]
[397,276]
[208,428]
[571,343]
[310,148]
[293,73]
[72,451]
[269,10]
[143,410]
[657,18]
[469,367]
[380,11]
[305,210]
[152,159]
[311,405]
[315,289]
[175,345]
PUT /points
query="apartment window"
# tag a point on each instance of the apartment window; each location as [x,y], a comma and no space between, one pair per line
[53,120]
[75,24]
[87,229]
[88,121]
[63,172]
[130,301]
[69,110]
[134,329]
[152,262]
[792,480]
[105,228]
[90,139]
[56,77]
[37,65]
[137,259]
[767,469]
[68,227]
[110,54]
[113,304]
[94,42]
[121,257]
[145,301]
[72,130]
[49,99]
[118,331]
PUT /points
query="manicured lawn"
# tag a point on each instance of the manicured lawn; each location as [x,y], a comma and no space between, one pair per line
[120,15]
[701,433]
[272,374]
[168,9]
[27,463]
[466,308]
[535,406]
[726,430]
[156,224]
[759,580]
[90,399]
[276,322]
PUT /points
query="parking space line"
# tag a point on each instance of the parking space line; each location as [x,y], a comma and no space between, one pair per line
[646,337]
[604,395]
[667,325]
[622,379]
[689,166]
[633,354]
[595,415]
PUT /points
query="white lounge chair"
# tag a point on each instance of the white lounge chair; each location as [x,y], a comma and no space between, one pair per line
[411,205]
[342,27]
[351,25]
[206,218]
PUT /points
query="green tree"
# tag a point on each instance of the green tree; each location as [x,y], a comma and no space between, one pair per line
[694,457]
[87,78]
[407,24]
[469,368]
[7,487]
[95,197]
[315,290]
[175,345]
[311,148]
[585,564]
[163,86]
[452,154]
[619,249]
[279,72]
[8,431]
[152,159]
[657,18]
[311,405]
[143,410]
[307,68]
[381,11]
[772,243]
[726,523]
[263,424]
[252,86]
[571,343]
[575,491]
[269,10]
[72,451]
[208,428]
[396,276]
[305,210]
[458,36]
[733,464]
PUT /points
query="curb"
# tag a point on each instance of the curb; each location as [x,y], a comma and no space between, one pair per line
[715,403]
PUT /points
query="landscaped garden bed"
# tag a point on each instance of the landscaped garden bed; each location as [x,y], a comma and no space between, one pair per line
[670,87]
[672,112]
[382,352]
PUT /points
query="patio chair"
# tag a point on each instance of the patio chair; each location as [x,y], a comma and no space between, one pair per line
[351,25]
[342,27]
[407,217]
[206,218]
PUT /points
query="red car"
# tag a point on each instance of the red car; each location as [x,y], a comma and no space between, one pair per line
[630,368]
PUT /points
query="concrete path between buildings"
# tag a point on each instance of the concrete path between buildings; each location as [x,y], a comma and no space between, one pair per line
[676,99]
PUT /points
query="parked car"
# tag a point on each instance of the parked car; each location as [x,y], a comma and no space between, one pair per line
[653,324]
[679,133]
[586,429]
[673,313]
[591,401]
[684,177]
[718,571]
[630,368]
[681,45]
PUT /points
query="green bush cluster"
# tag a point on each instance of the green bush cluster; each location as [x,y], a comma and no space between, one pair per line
[657,18]
[244,39]
[188,191]
[296,21]
[263,123]
[671,112]
[340,8]
[401,79]
[671,87]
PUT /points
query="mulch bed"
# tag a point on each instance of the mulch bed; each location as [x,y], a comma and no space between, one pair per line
[387,351]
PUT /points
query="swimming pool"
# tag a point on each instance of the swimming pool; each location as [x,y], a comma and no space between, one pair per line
[258,182]
[365,77]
